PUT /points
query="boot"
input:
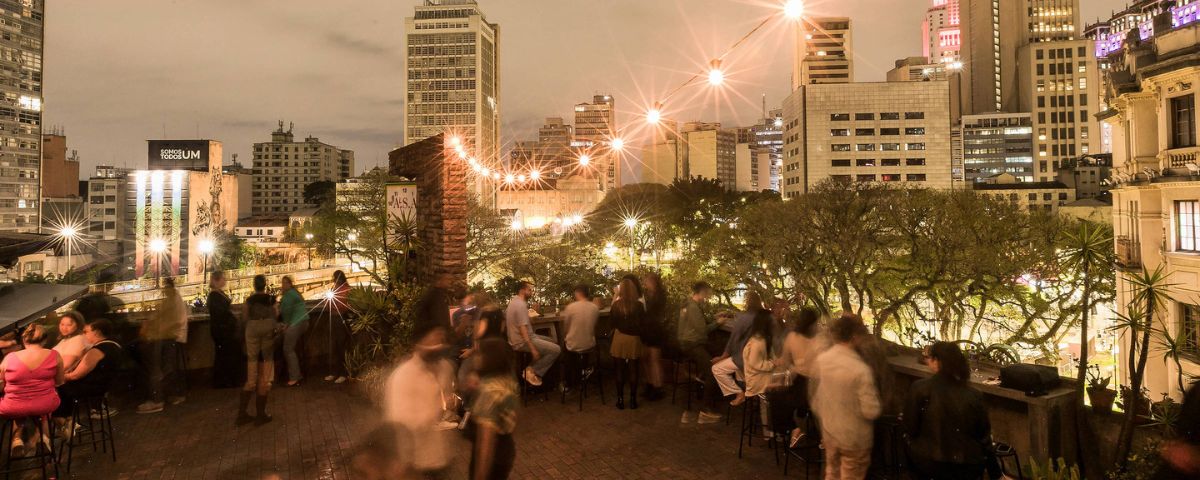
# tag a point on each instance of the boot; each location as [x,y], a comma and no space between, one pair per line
[260,402]
[243,403]
[632,399]
[621,396]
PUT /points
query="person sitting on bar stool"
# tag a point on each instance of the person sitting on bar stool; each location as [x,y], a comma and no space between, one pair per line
[542,349]
[726,367]
[579,321]
[30,376]
[94,374]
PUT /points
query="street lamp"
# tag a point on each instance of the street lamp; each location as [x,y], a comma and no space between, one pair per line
[308,237]
[68,234]
[158,247]
[206,247]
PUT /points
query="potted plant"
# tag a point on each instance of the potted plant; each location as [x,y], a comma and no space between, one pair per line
[1101,396]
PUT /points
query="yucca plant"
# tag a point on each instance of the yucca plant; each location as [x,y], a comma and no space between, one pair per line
[1150,294]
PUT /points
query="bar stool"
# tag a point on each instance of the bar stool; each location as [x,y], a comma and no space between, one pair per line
[524,360]
[751,423]
[808,451]
[93,431]
[890,433]
[588,369]
[1004,451]
[688,382]
[42,454]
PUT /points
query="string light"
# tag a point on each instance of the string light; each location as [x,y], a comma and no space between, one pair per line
[654,115]
[793,9]
[715,76]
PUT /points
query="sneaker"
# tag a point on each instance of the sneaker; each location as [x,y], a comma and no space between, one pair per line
[150,407]
[532,378]
[329,378]
[339,380]
[738,400]
[688,417]
[706,418]
[176,400]
[18,448]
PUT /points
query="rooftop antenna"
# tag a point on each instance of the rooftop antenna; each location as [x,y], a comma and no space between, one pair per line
[764,106]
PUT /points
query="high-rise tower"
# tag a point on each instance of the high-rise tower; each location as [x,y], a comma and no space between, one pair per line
[452,77]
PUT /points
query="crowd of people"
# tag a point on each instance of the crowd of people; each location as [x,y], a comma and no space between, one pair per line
[800,364]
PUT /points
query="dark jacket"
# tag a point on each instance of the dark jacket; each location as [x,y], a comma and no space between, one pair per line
[220,316]
[947,422]
[433,311]
[629,323]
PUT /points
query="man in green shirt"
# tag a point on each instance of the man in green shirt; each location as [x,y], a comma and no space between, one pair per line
[695,324]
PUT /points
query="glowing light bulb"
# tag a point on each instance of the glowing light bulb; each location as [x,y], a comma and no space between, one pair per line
[485,171]
[793,9]
[534,175]
[455,141]
[521,178]
[495,175]
[585,160]
[68,232]
[654,115]
[617,144]
[509,178]
[477,168]
[715,76]
[631,222]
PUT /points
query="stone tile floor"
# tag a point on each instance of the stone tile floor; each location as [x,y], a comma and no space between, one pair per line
[317,425]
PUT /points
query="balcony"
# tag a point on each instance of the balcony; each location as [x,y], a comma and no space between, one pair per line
[1129,253]
[1178,157]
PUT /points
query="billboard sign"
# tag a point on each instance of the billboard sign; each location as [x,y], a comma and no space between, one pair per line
[179,154]
[401,208]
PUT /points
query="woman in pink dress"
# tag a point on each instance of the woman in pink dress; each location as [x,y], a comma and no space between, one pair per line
[30,376]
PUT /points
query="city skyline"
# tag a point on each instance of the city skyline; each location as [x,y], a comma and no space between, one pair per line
[340,77]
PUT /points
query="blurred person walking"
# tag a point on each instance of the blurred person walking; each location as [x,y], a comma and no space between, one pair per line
[494,412]
[800,349]
[228,359]
[417,396]
[262,328]
[294,313]
[654,333]
[164,336]
[846,402]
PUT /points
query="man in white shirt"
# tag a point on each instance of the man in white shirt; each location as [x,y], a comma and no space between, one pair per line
[579,321]
[846,402]
[417,396]
[522,339]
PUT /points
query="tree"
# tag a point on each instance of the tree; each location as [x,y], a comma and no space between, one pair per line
[1150,295]
[320,193]
[357,227]
[1088,252]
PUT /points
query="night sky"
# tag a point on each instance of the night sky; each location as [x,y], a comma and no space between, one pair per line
[119,72]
